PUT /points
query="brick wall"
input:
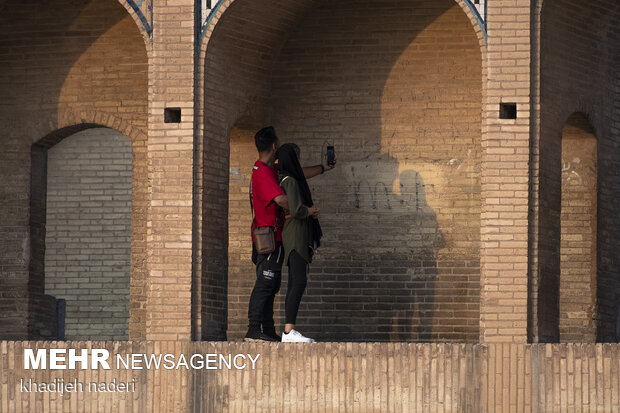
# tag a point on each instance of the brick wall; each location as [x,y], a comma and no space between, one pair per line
[578,232]
[332,377]
[400,259]
[239,52]
[608,219]
[67,64]
[241,270]
[505,153]
[400,215]
[533,227]
[63,64]
[170,148]
[566,56]
[608,223]
[88,233]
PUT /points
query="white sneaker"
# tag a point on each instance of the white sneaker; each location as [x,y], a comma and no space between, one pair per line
[295,337]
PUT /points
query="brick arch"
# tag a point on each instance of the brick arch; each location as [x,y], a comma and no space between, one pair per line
[142,25]
[78,54]
[216,115]
[566,81]
[538,5]
[70,124]
[578,227]
[71,119]
[222,7]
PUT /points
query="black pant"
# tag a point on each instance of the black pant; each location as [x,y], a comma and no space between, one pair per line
[297,280]
[267,285]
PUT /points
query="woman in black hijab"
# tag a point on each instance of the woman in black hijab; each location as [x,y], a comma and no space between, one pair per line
[301,234]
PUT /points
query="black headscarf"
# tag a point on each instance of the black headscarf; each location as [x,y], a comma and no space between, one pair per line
[288,165]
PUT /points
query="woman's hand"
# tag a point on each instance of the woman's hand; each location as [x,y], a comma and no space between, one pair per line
[314,211]
[326,166]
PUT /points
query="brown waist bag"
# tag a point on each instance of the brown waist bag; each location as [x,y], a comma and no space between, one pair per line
[265,240]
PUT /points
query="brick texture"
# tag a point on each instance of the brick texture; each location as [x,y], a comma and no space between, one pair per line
[578,232]
[241,271]
[63,64]
[331,377]
[442,221]
[401,211]
[88,233]
[170,168]
[505,146]
[239,57]
[566,54]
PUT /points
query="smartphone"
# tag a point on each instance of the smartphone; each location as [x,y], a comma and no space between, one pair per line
[331,155]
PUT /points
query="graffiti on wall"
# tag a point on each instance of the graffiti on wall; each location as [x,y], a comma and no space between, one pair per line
[236,177]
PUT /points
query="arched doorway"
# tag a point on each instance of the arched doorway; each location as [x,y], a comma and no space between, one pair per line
[397,88]
[576,98]
[88,233]
[87,67]
[578,223]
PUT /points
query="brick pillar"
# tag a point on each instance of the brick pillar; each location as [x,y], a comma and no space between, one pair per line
[505,144]
[17,300]
[170,157]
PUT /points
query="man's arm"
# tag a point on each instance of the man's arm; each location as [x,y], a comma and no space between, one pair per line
[312,171]
[282,201]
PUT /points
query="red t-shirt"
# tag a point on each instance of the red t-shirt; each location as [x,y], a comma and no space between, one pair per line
[264,189]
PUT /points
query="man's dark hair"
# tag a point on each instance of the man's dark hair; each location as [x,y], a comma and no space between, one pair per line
[264,138]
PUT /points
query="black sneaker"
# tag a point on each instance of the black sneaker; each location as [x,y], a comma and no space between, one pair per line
[253,335]
[273,335]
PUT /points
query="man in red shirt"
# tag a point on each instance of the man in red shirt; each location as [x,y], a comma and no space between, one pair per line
[268,201]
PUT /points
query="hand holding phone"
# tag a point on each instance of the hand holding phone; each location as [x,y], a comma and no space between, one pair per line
[331,156]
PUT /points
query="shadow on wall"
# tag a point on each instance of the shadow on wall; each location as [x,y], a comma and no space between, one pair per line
[608,265]
[391,237]
[396,87]
[566,53]
[404,115]
[402,242]
[77,47]
[421,227]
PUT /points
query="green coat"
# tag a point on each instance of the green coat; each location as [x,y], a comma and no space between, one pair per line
[296,231]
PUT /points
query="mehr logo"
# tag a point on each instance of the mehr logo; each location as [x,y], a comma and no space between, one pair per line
[60,360]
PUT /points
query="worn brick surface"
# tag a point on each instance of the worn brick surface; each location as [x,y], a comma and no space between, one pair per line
[442,221]
[566,55]
[436,212]
[505,155]
[578,232]
[88,232]
[170,164]
[234,93]
[63,64]
[401,211]
[332,377]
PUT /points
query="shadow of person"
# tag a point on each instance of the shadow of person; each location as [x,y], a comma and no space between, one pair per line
[381,287]
[422,238]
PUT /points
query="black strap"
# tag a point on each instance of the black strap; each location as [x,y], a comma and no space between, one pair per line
[250,192]
[251,203]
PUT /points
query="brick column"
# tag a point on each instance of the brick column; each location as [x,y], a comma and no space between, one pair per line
[170,157]
[505,144]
